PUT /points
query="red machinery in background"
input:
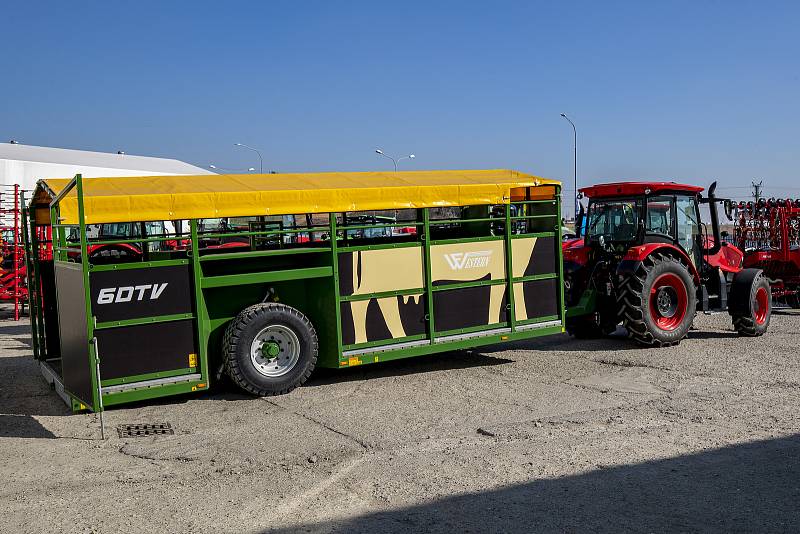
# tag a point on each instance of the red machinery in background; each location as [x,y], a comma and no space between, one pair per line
[13,271]
[768,231]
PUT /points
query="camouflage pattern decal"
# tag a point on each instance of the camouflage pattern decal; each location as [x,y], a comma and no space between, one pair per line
[469,307]
[533,256]
[383,318]
[535,298]
[468,262]
[375,271]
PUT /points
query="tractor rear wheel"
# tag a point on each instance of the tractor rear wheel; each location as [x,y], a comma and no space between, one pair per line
[270,349]
[750,304]
[658,302]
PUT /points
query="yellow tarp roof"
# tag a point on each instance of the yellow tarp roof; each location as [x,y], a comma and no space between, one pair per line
[155,198]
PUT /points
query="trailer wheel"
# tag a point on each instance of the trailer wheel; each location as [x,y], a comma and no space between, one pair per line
[750,303]
[658,302]
[270,349]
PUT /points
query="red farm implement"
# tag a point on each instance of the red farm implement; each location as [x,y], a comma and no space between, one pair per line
[768,232]
[13,271]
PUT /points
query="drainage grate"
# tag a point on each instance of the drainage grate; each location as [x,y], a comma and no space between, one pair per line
[141,430]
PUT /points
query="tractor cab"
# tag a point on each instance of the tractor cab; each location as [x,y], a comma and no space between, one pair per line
[625,215]
[635,229]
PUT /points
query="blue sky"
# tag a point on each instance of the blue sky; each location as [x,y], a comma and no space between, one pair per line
[690,91]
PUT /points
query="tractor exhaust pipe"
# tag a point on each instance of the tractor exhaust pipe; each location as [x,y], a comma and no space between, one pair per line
[712,208]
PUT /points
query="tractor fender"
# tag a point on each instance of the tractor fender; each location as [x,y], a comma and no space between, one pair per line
[636,255]
[119,246]
[739,300]
[94,249]
[575,251]
[728,258]
[575,255]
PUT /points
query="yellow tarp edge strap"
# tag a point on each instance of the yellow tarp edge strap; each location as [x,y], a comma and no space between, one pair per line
[157,198]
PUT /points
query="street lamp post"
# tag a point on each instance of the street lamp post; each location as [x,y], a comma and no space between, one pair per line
[394,160]
[260,159]
[574,162]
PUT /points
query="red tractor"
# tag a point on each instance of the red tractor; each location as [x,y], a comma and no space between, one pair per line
[644,258]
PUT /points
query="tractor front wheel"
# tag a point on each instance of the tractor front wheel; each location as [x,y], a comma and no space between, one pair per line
[270,349]
[750,303]
[658,302]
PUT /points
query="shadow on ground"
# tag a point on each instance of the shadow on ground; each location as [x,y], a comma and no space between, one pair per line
[20,328]
[754,487]
[445,361]
[23,390]
[711,334]
[224,389]
[22,426]
[617,341]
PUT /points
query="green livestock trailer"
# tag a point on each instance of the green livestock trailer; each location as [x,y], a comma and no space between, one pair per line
[145,287]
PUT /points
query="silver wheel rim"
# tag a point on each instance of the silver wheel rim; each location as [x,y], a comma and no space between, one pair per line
[280,361]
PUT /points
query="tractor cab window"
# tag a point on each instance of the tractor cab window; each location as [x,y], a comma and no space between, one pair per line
[119,230]
[615,220]
[659,216]
[688,225]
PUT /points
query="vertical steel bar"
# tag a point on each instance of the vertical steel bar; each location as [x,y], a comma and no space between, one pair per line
[33,293]
[201,312]
[96,346]
[94,362]
[17,259]
[559,258]
[335,259]
[426,243]
[511,310]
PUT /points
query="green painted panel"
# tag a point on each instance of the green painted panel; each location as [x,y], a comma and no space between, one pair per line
[265,277]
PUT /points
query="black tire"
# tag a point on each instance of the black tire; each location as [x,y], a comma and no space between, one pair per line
[658,302]
[751,304]
[241,335]
[584,327]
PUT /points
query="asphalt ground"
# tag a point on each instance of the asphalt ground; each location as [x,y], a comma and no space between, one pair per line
[548,435]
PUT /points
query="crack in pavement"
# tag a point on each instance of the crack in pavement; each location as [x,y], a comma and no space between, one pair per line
[628,363]
[324,425]
[143,456]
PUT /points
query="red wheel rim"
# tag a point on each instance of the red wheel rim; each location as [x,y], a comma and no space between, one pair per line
[761,305]
[668,299]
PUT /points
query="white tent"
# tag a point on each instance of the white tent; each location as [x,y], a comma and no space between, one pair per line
[25,164]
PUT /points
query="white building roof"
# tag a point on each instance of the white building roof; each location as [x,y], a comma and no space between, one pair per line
[65,156]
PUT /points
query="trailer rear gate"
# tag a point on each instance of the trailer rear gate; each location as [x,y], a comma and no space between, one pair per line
[467,258]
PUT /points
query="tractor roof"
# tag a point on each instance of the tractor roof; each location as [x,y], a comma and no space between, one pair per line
[158,198]
[626,189]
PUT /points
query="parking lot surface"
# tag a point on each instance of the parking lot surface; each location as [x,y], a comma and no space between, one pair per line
[545,435]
